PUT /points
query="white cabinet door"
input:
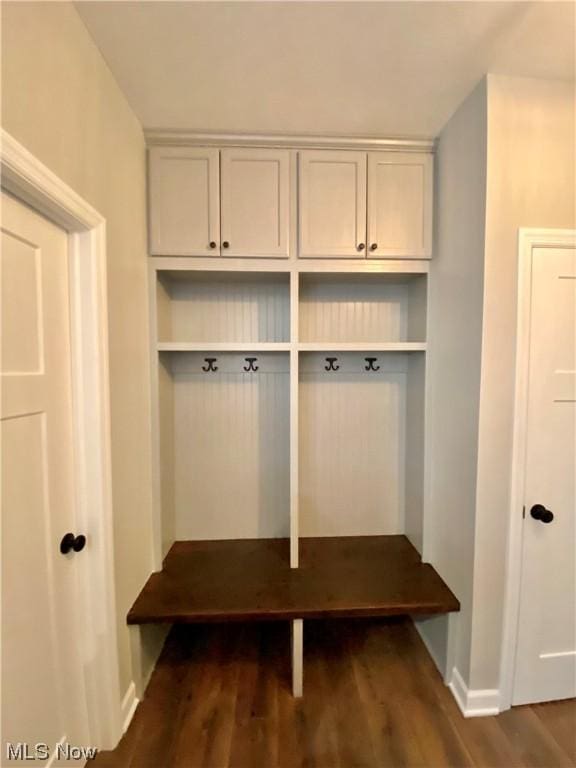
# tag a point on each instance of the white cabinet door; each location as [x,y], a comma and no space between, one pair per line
[184,201]
[332,202]
[399,205]
[255,202]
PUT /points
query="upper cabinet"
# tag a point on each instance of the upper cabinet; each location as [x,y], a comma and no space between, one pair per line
[399,205]
[365,205]
[184,201]
[255,202]
[207,202]
[332,204]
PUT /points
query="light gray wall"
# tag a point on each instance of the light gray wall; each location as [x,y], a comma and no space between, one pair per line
[454,344]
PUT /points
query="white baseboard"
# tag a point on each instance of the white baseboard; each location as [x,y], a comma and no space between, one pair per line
[128,707]
[474,703]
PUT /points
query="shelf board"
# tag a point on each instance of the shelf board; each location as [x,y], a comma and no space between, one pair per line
[361,346]
[223,346]
[251,580]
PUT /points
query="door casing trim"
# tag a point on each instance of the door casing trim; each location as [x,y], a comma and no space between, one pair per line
[528,239]
[25,177]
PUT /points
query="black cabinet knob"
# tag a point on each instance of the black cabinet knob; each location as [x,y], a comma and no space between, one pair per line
[373,246]
[212,244]
[225,244]
[539,512]
[70,542]
[361,246]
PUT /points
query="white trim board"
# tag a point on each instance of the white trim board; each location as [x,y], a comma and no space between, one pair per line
[474,703]
[28,179]
[528,239]
[158,136]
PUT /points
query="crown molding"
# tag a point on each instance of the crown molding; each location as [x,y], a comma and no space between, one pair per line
[157,137]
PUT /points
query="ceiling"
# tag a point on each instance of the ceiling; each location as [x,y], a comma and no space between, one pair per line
[361,68]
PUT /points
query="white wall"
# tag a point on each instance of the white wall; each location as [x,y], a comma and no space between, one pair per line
[531,183]
[454,344]
[61,102]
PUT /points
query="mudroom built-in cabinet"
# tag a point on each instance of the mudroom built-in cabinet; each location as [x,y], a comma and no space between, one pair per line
[289,384]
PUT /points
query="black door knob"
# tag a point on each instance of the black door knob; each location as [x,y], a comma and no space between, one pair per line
[360,246]
[373,246]
[226,244]
[70,542]
[539,512]
[212,244]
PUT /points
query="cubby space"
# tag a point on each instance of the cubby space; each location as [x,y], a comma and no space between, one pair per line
[361,442]
[224,445]
[362,309]
[195,309]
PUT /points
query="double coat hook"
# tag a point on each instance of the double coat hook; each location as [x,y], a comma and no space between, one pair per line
[210,364]
[331,364]
[250,366]
[370,364]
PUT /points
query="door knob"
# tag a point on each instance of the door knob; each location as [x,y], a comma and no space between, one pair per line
[212,244]
[69,542]
[226,244]
[539,512]
[373,246]
[360,246]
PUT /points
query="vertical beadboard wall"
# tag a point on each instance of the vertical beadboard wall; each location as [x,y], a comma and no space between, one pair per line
[235,307]
[352,445]
[348,308]
[231,437]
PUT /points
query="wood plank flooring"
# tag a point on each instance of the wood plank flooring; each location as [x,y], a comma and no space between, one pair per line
[220,698]
[252,580]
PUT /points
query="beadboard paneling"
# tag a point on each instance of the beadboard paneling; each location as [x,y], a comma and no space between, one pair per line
[352,446]
[231,432]
[214,307]
[371,308]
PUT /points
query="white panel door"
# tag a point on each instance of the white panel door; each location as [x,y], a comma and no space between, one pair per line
[399,205]
[184,204]
[546,648]
[255,187]
[41,685]
[332,204]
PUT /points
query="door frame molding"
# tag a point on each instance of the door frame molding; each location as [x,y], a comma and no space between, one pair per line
[25,177]
[528,239]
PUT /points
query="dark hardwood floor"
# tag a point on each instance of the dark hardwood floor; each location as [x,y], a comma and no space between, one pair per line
[220,698]
[252,580]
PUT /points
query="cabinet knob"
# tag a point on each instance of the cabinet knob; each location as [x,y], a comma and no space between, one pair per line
[69,542]
[212,244]
[361,246]
[373,246]
[225,244]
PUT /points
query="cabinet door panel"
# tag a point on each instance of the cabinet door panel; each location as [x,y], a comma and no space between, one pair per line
[399,205]
[255,202]
[184,202]
[332,203]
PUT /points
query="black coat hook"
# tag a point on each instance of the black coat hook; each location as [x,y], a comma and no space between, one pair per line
[371,366]
[331,366]
[251,366]
[210,366]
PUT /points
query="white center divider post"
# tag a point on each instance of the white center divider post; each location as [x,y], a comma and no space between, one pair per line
[294,375]
[297,657]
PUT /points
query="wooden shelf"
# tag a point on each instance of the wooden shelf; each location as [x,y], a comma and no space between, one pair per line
[251,580]
[361,346]
[223,346]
